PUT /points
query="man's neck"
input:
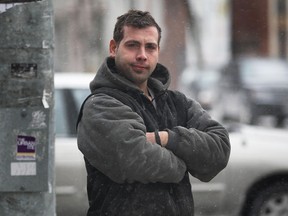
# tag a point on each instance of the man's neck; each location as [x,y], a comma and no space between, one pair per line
[144,88]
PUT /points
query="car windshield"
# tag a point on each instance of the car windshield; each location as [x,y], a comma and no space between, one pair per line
[264,73]
[67,106]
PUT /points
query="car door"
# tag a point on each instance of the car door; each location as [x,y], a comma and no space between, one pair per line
[70,169]
[209,197]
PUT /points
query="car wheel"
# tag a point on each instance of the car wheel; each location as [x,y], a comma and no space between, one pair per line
[270,201]
[280,121]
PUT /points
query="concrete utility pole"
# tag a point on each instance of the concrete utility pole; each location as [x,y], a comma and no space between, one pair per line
[26,108]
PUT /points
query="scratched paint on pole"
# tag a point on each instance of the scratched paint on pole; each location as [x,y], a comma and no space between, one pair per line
[24,70]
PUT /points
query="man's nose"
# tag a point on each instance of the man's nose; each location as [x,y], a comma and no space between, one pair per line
[141,55]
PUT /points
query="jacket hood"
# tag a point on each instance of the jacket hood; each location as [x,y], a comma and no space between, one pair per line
[107,76]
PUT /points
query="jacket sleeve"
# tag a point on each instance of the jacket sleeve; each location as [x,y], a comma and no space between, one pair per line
[113,139]
[203,144]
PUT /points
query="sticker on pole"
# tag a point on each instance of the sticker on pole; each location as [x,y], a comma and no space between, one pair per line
[24,70]
[26,148]
[23,169]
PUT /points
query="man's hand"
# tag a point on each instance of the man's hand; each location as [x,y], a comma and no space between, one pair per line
[163,137]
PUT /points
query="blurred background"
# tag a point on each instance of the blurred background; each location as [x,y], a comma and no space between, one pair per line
[229,55]
[84,28]
[200,40]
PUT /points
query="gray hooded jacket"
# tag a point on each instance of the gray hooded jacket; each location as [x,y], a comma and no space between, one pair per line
[127,175]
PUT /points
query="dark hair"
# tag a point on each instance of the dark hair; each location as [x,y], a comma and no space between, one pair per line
[134,18]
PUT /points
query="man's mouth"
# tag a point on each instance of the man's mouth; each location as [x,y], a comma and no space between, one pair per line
[141,67]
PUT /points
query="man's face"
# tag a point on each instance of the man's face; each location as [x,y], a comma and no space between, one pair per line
[137,54]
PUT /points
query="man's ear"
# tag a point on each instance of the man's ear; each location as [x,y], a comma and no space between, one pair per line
[112,48]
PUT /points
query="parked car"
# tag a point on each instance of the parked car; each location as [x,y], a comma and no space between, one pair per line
[251,88]
[200,85]
[70,90]
[255,182]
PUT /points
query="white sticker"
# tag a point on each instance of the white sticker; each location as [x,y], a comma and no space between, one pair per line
[38,120]
[44,99]
[23,169]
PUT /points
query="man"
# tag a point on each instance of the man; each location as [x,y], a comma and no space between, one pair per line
[139,139]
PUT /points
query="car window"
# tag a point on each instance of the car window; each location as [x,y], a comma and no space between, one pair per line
[60,118]
[264,72]
[67,106]
[79,96]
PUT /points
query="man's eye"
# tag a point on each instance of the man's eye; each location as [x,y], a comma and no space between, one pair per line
[131,45]
[151,47]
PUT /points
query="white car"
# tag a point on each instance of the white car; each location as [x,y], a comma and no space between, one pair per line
[71,197]
[255,182]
